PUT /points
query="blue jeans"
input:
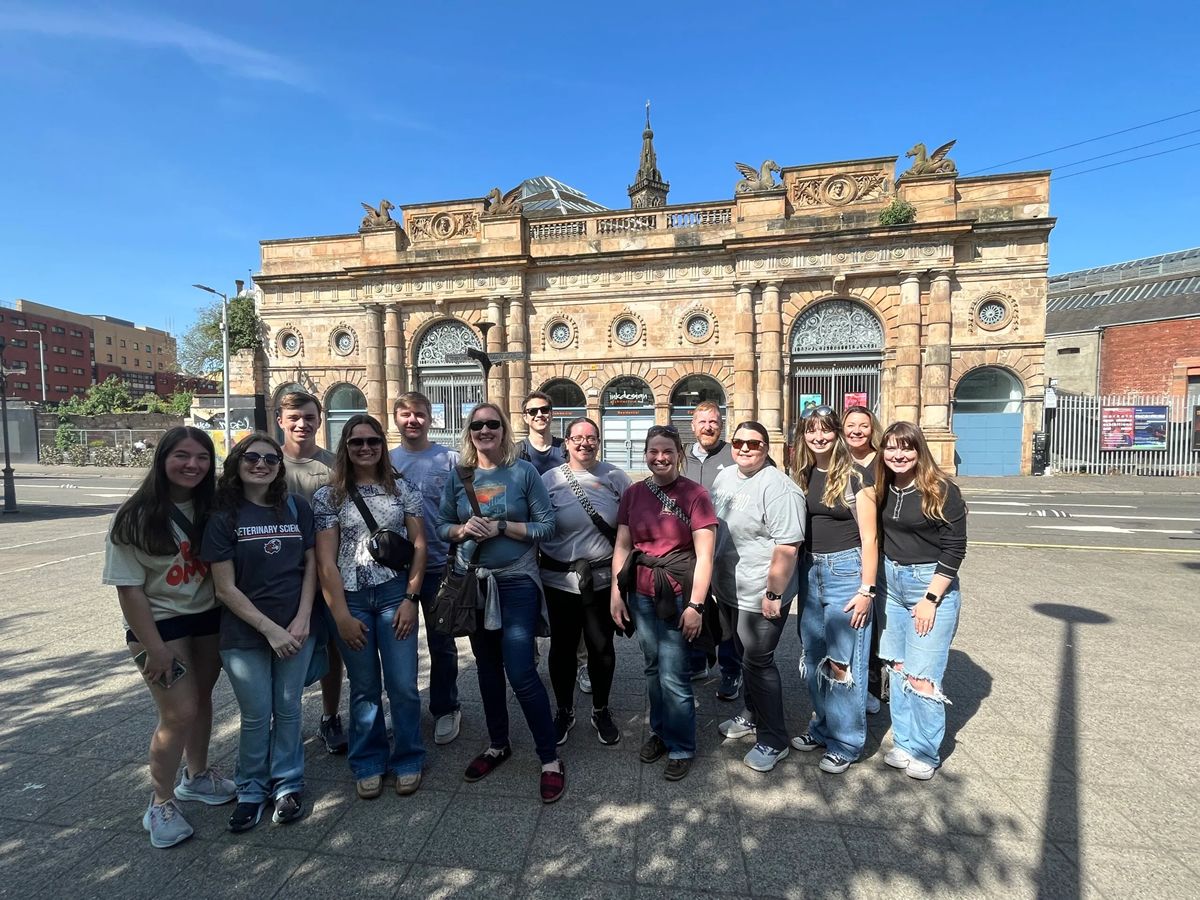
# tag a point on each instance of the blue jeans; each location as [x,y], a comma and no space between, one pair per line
[443,653]
[270,748]
[839,707]
[668,677]
[508,652]
[369,755]
[918,720]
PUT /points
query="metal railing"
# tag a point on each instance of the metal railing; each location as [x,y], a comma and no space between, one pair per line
[1077,441]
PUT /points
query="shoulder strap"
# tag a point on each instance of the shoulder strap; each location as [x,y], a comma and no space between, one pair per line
[610,533]
[363,509]
[467,476]
[291,501]
[668,504]
[186,525]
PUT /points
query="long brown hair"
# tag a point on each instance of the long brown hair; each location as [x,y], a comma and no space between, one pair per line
[932,483]
[841,470]
[230,491]
[342,476]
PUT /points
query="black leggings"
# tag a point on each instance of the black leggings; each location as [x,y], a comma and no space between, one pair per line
[571,614]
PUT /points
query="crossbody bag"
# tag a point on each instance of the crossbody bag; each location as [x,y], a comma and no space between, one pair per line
[455,608]
[388,548]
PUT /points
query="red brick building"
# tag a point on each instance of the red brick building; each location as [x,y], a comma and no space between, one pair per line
[66,354]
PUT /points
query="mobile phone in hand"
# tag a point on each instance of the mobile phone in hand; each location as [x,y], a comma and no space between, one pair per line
[178,670]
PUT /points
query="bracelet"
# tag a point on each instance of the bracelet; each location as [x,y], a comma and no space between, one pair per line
[415,598]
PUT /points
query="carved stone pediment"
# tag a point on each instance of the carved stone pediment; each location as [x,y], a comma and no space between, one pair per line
[840,189]
[444,225]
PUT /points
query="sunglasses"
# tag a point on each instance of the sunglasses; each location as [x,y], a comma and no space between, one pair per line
[252,458]
[489,424]
[365,442]
[539,411]
[818,411]
[656,430]
[579,440]
[749,444]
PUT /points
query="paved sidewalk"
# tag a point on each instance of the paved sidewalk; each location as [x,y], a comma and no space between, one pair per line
[1069,772]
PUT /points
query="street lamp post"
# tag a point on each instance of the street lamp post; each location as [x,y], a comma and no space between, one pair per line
[224,358]
[10,491]
[41,355]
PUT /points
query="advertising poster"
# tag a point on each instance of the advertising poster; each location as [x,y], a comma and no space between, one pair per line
[809,402]
[1150,428]
[466,411]
[437,415]
[1116,427]
[1196,428]
[849,400]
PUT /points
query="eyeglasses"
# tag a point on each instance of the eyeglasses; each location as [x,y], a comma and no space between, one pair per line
[579,440]
[365,442]
[818,411]
[749,444]
[535,411]
[489,424]
[252,458]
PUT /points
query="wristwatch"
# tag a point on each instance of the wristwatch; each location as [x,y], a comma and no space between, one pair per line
[772,596]
[502,526]
[867,589]
[415,598]
[697,607]
[933,598]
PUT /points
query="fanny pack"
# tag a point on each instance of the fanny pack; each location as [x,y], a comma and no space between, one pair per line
[388,548]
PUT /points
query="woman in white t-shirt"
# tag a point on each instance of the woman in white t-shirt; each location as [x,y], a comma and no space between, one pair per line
[172,621]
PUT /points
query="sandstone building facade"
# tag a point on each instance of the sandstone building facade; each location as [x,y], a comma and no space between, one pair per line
[790,292]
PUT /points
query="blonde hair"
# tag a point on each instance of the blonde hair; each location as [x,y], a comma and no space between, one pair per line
[469,456]
[841,472]
[932,483]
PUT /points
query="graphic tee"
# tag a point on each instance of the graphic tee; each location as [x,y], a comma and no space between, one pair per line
[658,532]
[267,547]
[176,585]
[575,534]
[514,493]
[426,471]
[305,476]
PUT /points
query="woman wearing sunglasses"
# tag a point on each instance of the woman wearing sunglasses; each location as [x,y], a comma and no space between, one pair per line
[762,527]
[840,565]
[260,546]
[663,563]
[374,606]
[514,514]
[924,521]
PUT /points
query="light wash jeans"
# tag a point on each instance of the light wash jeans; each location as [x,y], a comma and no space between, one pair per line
[668,677]
[918,721]
[270,747]
[369,755]
[839,707]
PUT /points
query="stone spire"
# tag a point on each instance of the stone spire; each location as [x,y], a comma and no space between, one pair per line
[648,189]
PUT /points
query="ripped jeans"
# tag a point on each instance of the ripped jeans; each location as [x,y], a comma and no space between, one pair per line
[918,720]
[839,706]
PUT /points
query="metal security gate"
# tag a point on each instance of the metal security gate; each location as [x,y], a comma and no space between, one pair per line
[1077,442]
[624,439]
[832,382]
[453,390]
[836,355]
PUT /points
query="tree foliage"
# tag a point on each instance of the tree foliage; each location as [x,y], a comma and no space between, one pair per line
[199,348]
[898,212]
[112,396]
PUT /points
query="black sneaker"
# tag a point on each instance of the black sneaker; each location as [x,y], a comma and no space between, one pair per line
[332,734]
[653,749]
[605,727]
[677,769]
[288,808]
[563,723]
[731,686]
[245,816]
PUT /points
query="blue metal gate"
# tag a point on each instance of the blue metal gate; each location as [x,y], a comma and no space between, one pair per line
[988,443]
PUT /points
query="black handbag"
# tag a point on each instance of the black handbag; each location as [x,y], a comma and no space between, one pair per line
[388,548]
[455,609]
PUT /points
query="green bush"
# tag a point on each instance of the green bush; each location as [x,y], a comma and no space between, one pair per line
[75,455]
[898,212]
[66,435]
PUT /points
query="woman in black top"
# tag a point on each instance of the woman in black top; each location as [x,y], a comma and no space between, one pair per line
[924,526]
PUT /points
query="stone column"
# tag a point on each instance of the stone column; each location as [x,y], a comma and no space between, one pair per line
[906,384]
[497,383]
[376,386]
[743,353]
[935,374]
[518,370]
[393,357]
[770,374]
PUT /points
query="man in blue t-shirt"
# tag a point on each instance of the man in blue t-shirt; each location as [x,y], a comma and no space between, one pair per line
[426,465]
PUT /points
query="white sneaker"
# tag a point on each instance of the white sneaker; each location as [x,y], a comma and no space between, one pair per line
[446,728]
[872,704]
[737,727]
[584,680]
[897,758]
[919,770]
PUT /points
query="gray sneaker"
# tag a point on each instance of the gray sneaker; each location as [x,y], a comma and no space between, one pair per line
[446,728]
[763,758]
[584,680]
[208,787]
[166,824]
[738,726]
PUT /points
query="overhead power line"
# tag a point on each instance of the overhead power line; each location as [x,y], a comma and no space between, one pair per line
[1123,161]
[1080,162]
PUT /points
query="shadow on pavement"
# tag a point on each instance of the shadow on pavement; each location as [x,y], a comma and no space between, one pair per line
[48,512]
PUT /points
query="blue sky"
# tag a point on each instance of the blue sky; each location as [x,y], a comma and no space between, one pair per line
[152,145]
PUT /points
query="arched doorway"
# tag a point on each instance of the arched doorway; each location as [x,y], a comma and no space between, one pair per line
[626,414]
[988,421]
[687,395]
[453,388]
[342,403]
[836,353]
[568,401]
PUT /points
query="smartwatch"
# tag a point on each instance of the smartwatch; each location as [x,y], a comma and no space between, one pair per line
[868,590]
[772,596]
[502,526]
[697,607]
[933,598]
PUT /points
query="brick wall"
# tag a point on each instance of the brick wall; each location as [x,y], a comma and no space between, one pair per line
[1141,358]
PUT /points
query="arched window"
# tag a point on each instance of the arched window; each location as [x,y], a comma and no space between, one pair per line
[836,355]
[343,402]
[453,387]
[626,414]
[568,401]
[688,393]
[988,389]
[271,413]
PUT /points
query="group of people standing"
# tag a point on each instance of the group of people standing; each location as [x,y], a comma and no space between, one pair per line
[272,572]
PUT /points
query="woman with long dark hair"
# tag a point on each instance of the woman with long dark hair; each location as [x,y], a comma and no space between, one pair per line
[374,606]
[259,543]
[924,522]
[840,566]
[762,528]
[152,556]
[511,512]
[662,565]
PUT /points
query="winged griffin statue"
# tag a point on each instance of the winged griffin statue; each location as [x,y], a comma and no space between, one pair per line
[936,163]
[497,204]
[379,218]
[762,180]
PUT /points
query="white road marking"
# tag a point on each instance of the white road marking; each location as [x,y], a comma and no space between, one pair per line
[53,562]
[66,537]
[1153,518]
[1107,529]
[1028,546]
[1055,503]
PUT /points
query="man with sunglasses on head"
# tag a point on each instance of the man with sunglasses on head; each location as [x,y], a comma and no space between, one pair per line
[306,468]
[426,465]
[540,448]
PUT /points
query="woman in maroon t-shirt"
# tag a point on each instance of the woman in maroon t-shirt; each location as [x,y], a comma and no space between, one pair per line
[662,565]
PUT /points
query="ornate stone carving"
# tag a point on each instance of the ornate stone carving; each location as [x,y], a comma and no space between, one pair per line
[836,326]
[443,226]
[498,204]
[993,311]
[343,340]
[443,339]
[627,329]
[936,163]
[877,256]
[752,181]
[840,189]
[378,218]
